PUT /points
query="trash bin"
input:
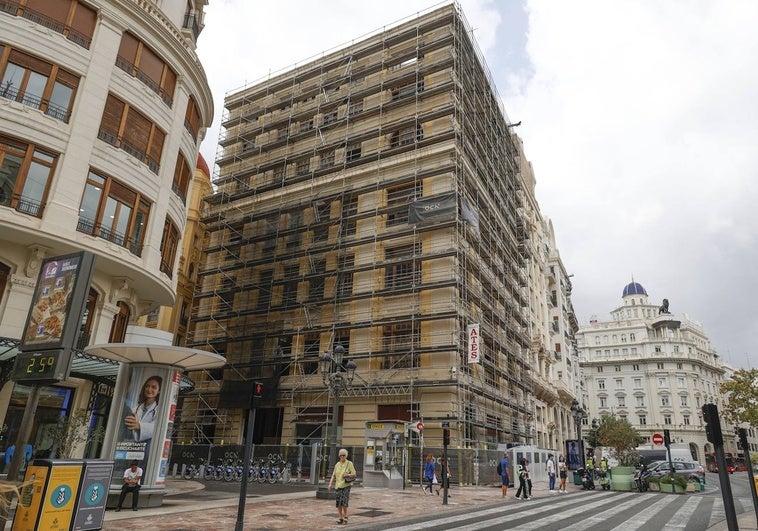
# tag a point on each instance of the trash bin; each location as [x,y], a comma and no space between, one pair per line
[577,478]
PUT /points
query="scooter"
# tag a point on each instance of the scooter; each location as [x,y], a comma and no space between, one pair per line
[587,482]
[605,481]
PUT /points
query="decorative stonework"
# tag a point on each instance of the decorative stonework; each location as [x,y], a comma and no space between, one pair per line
[34,258]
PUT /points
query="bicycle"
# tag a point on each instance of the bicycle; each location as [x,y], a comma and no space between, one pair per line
[193,471]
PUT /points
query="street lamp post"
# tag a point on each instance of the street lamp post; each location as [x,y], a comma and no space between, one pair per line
[578,413]
[338,378]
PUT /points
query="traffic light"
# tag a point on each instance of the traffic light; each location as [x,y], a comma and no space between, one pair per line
[666,438]
[446,436]
[257,390]
[712,424]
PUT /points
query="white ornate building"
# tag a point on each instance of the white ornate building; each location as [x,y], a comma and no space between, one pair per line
[653,368]
[103,105]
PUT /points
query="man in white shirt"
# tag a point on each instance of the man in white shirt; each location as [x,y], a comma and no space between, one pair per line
[551,472]
[132,478]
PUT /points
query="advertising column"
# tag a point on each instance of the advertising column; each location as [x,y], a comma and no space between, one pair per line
[142,422]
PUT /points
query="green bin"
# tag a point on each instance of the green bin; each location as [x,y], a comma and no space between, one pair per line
[577,478]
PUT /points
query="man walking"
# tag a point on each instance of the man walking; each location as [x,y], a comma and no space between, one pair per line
[550,467]
[502,469]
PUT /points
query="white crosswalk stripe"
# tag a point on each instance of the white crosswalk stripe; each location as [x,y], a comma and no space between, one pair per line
[581,511]
[645,516]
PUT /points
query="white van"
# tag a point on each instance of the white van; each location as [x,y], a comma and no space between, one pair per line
[660,454]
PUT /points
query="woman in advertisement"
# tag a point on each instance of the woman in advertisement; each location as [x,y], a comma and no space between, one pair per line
[141,421]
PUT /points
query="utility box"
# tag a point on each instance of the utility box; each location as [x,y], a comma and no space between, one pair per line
[63,495]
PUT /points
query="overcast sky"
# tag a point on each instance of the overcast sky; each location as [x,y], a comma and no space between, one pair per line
[640,118]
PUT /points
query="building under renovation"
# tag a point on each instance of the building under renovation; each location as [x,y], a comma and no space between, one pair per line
[371,199]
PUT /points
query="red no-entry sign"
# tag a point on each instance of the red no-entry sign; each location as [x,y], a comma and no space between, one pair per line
[657,438]
[419,425]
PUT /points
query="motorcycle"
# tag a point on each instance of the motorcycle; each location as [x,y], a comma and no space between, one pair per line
[640,478]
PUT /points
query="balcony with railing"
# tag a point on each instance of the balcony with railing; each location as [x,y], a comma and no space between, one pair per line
[190,23]
[115,141]
[22,204]
[133,71]
[16,9]
[35,102]
[88,226]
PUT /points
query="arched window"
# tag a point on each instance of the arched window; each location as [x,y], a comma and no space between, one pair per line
[5,274]
[85,330]
[120,322]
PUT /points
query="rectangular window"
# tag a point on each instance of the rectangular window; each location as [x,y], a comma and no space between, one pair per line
[182,177]
[617,368]
[621,401]
[665,401]
[303,167]
[67,17]
[406,136]
[686,420]
[169,243]
[353,152]
[37,84]
[408,90]
[124,127]
[640,401]
[330,117]
[601,384]
[663,382]
[111,211]
[643,420]
[684,400]
[603,402]
[327,159]
[25,176]
[660,365]
[619,383]
[306,125]
[401,341]
[355,108]
[635,367]
[192,118]
[138,60]
[600,369]
[667,420]
[638,383]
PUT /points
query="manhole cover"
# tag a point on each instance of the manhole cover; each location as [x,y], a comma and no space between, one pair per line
[373,513]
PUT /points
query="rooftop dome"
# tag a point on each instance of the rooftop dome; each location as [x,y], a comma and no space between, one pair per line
[202,165]
[634,288]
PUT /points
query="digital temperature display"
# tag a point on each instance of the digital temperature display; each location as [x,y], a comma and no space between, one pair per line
[42,366]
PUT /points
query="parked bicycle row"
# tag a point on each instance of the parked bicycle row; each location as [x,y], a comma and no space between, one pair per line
[272,470]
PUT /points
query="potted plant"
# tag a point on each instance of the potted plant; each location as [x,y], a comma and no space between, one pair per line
[693,485]
[673,484]
[623,438]
[654,484]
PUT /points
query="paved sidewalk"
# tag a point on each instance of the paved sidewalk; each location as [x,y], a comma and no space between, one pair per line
[303,511]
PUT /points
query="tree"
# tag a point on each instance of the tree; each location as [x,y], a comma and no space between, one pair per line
[621,436]
[72,431]
[741,396]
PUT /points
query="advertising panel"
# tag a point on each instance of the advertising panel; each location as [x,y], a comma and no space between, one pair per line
[58,502]
[173,395]
[58,301]
[141,412]
[30,498]
[90,507]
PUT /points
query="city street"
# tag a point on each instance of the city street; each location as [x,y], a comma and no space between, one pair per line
[294,507]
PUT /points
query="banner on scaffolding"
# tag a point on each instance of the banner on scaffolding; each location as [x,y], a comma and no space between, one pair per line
[472,331]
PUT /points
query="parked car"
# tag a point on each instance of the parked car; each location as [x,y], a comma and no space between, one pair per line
[688,469]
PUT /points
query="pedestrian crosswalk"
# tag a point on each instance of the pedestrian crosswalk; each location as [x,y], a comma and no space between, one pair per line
[585,511]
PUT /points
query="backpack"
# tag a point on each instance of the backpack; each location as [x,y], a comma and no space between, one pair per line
[500,468]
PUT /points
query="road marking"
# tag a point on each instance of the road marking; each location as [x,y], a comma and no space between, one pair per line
[682,516]
[645,516]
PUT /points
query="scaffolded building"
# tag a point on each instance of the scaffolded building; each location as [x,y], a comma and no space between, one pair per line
[370,198]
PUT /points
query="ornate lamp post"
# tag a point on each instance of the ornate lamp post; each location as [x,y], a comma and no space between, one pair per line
[338,378]
[578,413]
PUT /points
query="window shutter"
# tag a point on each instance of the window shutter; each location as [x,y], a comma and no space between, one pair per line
[84,20]
[114,110]
[137,130]
[128,48]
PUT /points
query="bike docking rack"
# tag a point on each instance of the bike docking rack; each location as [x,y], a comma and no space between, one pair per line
[271,468]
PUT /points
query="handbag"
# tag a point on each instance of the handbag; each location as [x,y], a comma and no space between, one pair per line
[435,481]
[349,479]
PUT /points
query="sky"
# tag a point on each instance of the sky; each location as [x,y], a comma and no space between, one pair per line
[640,119]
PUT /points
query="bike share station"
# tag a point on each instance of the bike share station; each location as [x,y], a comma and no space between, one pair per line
[385,454]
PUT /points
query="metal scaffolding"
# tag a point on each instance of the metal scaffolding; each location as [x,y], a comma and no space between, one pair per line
[326,228]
